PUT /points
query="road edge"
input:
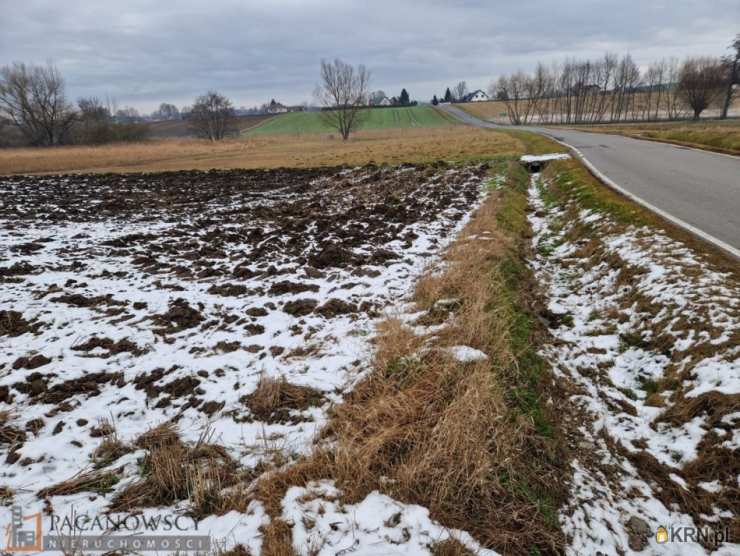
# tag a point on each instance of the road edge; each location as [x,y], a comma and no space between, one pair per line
[718,243]
[663,141]
[726,247]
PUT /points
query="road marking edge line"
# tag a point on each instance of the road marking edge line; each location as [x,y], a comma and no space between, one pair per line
[639,200]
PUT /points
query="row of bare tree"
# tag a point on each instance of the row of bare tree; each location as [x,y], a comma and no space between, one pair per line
[613,90]
[34,103]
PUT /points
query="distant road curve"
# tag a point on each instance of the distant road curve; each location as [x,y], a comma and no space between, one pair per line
[697,190]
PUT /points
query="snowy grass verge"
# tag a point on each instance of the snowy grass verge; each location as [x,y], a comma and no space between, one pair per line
[645,328]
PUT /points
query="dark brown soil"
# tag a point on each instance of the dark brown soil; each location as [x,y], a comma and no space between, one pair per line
[212,210]
[12,323]
[180,316]
[334,307]
[300,307]
[33,362]
[16,269]
[219,237]
[80,300]
[88,386]
[110,346]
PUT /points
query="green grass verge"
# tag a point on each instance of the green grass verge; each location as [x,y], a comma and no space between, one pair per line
[376,118]
[575,181]
[528,376]
[534,143]
[719,138]
[512,218]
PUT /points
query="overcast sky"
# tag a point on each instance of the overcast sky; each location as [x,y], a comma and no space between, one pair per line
[143,52]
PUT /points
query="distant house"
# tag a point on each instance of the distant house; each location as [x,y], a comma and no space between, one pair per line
[385,101]
[476,96]
[276,108]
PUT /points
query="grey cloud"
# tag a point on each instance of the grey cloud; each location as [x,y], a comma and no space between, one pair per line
[144,52]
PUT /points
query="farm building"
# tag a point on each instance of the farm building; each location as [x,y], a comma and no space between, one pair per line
[476,96]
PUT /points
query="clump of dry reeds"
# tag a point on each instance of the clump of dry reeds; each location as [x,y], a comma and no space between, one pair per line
[174,471]
[274,399]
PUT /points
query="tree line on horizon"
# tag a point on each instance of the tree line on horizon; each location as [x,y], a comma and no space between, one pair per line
[33,101]
[458,93]
[33,98]
[614,89]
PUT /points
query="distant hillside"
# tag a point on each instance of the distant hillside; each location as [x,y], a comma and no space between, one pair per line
[174,129]
[374,118]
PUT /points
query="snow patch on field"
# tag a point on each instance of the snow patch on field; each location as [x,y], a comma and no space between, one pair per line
[136,266]
[467,354]
[376,525]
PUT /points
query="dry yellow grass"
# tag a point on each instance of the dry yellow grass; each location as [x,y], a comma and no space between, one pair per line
[274,399]
[487,110]
[392,146]
[174,471]
[447,434]
[453,436]
[716,135]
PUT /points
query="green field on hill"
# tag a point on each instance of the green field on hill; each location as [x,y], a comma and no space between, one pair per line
[375,118]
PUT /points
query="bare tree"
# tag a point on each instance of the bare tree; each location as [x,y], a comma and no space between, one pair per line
[212,116]
[167,111]
[343,92]
[507,92]
[33,99]
[732,70]
[673,102]
[626,81]
[700,83]
[655,76]
[614,89]
[127,115]
[460,91]
[93,122]
[535,88]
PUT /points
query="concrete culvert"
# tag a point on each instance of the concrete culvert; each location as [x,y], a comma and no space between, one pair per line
[535,163]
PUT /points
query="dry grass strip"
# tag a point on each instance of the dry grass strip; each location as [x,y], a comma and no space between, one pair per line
[455,437]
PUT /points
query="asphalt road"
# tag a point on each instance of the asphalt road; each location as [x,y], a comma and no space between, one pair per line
[700,188]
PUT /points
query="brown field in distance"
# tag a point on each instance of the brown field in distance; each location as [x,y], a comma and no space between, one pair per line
[179,129]
[495,110]
[710,134]
[390,146]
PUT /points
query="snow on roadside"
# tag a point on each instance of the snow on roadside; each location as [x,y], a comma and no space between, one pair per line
[613,508]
